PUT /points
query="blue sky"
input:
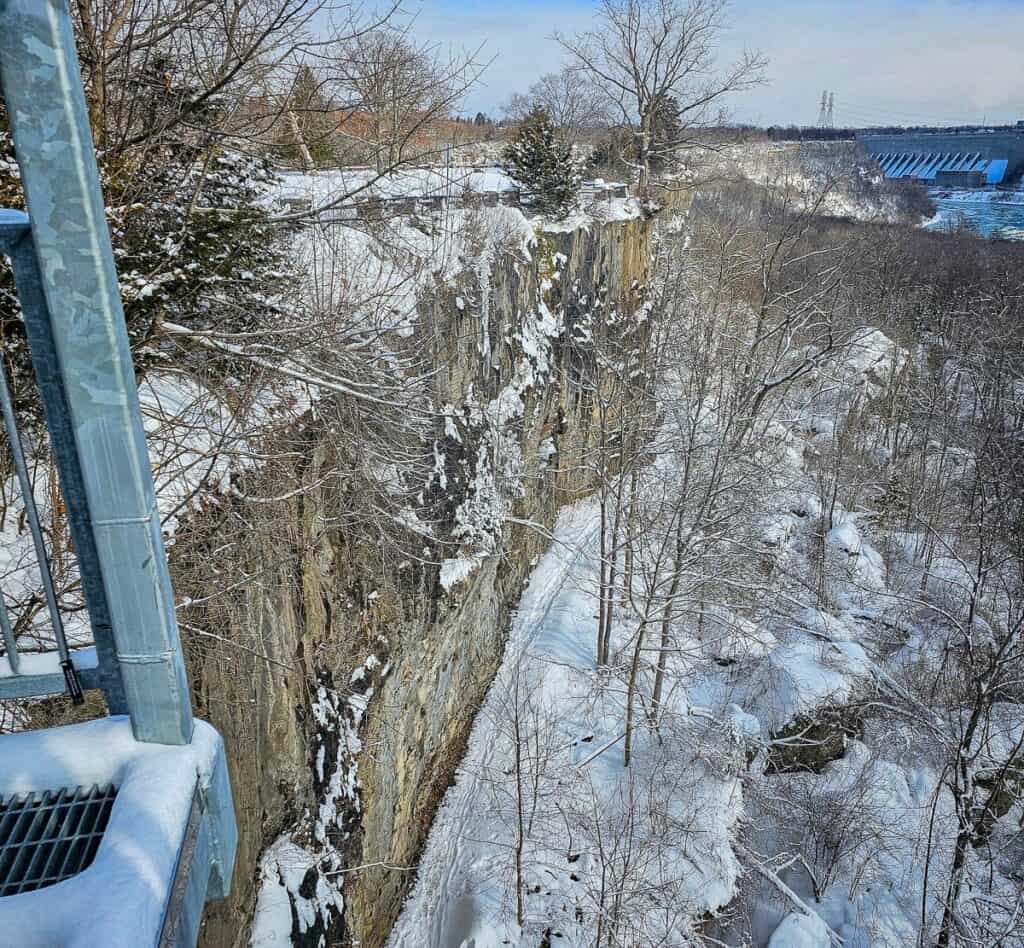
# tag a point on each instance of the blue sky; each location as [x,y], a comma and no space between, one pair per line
[891,60]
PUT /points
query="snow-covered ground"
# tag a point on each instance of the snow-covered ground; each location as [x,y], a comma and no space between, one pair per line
[322,187]
[551,680]
[827,176]
[697,826]
[549,677]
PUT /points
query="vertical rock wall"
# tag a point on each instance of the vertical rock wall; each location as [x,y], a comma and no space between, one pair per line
[345,687]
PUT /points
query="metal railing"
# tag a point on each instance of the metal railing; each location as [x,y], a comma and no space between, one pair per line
[50,829]
[64,272]
[24,675]
[13,655]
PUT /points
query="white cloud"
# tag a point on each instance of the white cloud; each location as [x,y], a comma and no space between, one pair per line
[953,60]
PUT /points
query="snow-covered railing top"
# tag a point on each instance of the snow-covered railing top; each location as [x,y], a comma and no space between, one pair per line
[167,849]
[67,286]
[410,190]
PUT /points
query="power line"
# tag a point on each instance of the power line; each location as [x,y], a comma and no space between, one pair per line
[848,114]
[902,117]
[895,110]
[894,115]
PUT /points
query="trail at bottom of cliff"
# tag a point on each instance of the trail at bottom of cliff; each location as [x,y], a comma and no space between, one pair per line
[590,836]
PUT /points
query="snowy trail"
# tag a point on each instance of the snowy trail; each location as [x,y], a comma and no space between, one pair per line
[442,912]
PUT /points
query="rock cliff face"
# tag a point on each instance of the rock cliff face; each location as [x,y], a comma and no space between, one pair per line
[345,681]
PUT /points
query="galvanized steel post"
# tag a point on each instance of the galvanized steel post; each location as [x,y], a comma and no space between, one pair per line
[42,89]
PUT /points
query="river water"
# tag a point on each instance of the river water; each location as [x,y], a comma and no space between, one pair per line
[996,213]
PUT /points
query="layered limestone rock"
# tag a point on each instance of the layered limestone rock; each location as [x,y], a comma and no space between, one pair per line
[344,681]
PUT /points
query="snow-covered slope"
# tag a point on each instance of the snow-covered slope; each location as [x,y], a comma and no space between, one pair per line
[705,832]
[550,684]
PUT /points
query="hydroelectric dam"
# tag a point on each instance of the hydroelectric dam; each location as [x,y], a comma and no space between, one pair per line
[955,158]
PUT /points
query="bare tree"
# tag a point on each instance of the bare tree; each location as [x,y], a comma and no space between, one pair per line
[176,82]
[160,69]
[570,99]
[525,791]
[642,53]
[398,88]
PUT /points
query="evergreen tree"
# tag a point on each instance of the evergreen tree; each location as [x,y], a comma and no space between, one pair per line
[545,166]
[666,133]
[309,129]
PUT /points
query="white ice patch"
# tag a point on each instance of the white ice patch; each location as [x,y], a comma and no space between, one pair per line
[283,868]
[458,569]
[801,931]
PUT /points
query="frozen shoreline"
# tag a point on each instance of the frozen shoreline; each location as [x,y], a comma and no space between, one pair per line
[994,213]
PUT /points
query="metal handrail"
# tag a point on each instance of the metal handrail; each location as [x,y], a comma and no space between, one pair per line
[10,643]
[96,667]
[67,284]
[74,686]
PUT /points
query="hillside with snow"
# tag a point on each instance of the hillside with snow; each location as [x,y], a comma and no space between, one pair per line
[787,781]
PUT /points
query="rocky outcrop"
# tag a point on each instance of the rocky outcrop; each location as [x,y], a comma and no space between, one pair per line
[344,679]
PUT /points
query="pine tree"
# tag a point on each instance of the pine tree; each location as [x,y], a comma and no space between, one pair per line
[309,131]
[544,165]
[666,133]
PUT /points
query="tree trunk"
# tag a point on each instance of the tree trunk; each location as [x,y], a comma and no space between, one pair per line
[520,827]
[634,673]
[609,604]
[300,142]
[603,582]
[627,579]
[97,103]
[666,622]
[645,156]
[963,840]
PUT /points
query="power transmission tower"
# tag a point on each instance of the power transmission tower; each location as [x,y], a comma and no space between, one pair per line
[823,114]
[831,117]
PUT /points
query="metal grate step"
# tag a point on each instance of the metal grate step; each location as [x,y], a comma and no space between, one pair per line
[50,836]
